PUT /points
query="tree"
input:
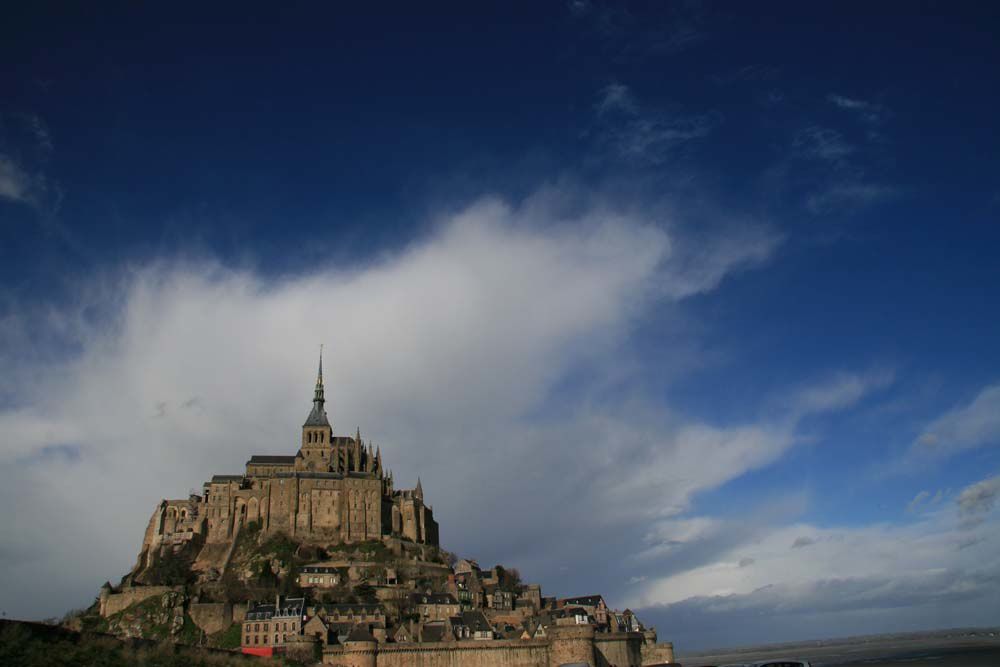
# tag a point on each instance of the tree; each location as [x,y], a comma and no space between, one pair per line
[509,580]
[365,593]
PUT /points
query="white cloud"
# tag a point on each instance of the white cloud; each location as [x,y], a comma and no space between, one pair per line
[823,143]
[15,184]
[637,134]
[979,498]
[939,564]
[615,97]
[843,390]
[840,195]
[976,424]
[867,111]
[448,353]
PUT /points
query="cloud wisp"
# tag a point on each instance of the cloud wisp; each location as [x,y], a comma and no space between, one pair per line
[636,134]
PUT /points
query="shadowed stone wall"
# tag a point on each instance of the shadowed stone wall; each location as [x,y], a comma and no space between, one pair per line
[112,603]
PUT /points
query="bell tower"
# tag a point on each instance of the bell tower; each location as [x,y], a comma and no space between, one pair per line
[317,434]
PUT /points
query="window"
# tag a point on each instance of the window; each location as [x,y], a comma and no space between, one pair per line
[247,642]
[275,637]
[256,627]
[256,639]
[265,639]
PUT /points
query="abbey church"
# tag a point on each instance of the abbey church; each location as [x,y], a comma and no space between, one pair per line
[334,490]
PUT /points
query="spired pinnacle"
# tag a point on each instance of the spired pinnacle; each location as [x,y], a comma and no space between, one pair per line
[317,417]
[319,379]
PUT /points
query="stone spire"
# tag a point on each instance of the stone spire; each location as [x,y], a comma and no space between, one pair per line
[317,417]
[419,491]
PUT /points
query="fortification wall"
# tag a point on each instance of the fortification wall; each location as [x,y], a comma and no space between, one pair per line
[211,617]
[653,654]
[566,645]
[115,602]
[506,653]
[618,648]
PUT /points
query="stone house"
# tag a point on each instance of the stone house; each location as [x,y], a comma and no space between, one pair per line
[267,627]
[435,606]
[319,576]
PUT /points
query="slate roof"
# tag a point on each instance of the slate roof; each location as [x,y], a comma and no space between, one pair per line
[585,600]
[267,459]
[433,632]
[317,416]
[360,634]
[433,598]
[289,607]
[216,479]
[476,621]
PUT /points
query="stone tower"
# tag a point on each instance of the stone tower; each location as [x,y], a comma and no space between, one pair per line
[317,434]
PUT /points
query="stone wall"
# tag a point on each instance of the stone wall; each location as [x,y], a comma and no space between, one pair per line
[506,653]
[566,645]
[112,603]
[211,617]
[571,644]
[618,648]
[654,654]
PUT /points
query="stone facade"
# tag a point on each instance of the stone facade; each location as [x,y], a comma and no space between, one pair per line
[334,490]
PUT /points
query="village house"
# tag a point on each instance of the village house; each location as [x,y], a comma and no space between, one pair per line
[267,627]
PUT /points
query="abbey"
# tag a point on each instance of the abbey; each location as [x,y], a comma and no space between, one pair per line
[334,490]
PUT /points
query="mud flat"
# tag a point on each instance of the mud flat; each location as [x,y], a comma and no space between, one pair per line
[979,647]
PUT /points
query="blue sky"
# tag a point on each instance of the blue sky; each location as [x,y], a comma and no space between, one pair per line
[709,286]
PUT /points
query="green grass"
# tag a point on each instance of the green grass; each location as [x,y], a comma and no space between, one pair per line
[228,638]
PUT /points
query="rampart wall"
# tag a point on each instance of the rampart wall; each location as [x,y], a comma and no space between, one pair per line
[112,603]
[567,645]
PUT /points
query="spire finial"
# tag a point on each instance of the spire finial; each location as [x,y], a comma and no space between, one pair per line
[318,415]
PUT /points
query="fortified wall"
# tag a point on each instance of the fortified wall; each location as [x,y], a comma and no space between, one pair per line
[112,603]
[576,645]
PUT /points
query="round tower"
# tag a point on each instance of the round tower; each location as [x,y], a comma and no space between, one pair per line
[360,653]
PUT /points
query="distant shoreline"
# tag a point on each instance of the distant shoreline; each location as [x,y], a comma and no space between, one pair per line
[945,637]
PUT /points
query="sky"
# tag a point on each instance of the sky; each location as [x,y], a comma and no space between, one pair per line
[690,304]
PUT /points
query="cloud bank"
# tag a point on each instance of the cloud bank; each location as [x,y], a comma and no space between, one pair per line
[478,358]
